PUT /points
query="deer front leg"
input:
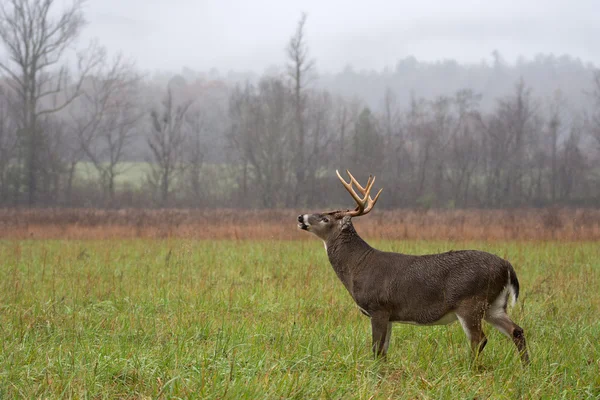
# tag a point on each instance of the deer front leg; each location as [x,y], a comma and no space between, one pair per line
[388,336]
[381,330]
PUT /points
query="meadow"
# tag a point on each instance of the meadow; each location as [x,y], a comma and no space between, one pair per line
[144,316]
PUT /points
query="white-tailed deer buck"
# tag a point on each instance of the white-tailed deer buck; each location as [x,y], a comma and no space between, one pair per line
[435,289]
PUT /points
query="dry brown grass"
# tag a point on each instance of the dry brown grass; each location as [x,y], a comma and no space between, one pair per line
[525,224]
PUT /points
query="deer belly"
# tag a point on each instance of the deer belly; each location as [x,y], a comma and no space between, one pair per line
[444,320]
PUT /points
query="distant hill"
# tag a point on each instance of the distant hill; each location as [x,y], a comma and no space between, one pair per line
[544,74]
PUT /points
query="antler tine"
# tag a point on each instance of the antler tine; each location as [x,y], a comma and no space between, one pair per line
[372,202]
[360,202]
[367,202]
[367,188]
[358,185]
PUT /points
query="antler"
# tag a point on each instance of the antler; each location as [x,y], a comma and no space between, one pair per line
[365,204]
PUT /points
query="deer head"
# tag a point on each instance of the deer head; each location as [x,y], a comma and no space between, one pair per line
[328,225]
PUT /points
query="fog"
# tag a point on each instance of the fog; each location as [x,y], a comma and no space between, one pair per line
[256,104]
[241,35]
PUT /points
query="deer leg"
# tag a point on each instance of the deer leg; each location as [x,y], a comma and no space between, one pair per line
[502,322]
[471,324]
[388,335]
[470,314]
[380,327]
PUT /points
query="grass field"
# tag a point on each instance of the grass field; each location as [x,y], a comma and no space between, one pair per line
[176,318]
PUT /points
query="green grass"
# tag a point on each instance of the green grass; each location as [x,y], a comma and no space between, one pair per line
[135,175]
[191,319]
[132,173]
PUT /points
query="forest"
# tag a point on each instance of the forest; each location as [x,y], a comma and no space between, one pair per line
[92,129]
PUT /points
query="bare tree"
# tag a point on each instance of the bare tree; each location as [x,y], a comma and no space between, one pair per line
[299,70]
[36,37]
[444,126]
[342,122]
[167,140]
[74,156]
[238,144]
[368,143]
[54,156]
[464,150]
[421,141]
[391,128]
[555,125]
[259,134]
[195,153]
[572,169]
[107,119]
[8,148]
[511,132]
[320,123]
[345,113]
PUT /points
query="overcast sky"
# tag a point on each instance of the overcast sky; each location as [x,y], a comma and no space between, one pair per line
[252,34]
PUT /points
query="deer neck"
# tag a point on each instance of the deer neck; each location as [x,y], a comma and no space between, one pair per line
[346,253]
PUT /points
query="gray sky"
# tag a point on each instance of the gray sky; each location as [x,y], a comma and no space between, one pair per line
[251,35]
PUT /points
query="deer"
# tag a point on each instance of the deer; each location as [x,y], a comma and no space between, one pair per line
[433,289]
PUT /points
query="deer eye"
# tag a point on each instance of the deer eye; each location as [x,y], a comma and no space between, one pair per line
[325,219]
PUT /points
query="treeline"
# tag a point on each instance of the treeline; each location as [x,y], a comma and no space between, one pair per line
[271,142]
[436,153]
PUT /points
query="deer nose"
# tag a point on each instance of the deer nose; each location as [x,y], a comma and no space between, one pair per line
[300,218]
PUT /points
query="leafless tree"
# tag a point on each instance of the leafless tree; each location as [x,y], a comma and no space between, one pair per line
[107,120]
[572,166]
[368,144]
[37,36]
[392,131]
[238,141]
[342,122]
[511,132]
[54,158]
[320,124]
[345,114]
[464,150]
[260,135]
[444,126]
[8,148]
[300,67]
[422,142]
[196,150]
[555,125]
[167,140]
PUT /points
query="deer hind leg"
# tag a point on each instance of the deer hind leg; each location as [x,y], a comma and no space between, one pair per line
[381,331]
[501,321]
[470,314]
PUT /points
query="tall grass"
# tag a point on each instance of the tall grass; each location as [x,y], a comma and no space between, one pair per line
[521,224]
[179,318]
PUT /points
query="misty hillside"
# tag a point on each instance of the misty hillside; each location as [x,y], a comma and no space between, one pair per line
[493,78]
[544,74]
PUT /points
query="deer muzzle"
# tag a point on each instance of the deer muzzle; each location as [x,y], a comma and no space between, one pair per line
[303,222]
